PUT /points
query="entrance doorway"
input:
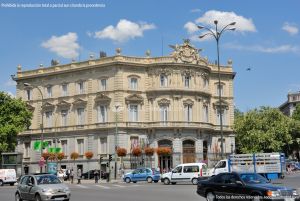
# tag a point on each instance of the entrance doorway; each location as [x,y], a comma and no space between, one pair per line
[165,162]
[188,151]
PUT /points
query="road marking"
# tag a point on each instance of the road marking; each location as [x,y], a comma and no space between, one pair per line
[81,186]
[105,187]
[118,186]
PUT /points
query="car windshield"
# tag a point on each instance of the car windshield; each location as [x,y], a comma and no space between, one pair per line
[253,179]
[47,179]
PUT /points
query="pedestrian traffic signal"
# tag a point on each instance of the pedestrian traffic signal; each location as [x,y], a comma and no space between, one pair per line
[109,157]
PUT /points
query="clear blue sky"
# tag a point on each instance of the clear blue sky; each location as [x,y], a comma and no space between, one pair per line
[267,39]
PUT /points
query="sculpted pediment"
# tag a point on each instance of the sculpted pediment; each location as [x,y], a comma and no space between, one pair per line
[134,98]
[163,101]
[63,104]
[185,53]
[188,102]
[48,105]
[102,98]
[224,105]
[80,101]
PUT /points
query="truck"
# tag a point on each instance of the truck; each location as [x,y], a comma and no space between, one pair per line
[7,176]
[269,165]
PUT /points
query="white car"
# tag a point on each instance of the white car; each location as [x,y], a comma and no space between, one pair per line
[187,172]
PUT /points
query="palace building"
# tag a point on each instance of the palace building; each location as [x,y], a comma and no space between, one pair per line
[123,101]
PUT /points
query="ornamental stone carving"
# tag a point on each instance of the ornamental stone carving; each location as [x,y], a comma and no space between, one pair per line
[79,102]
[224,105]
[63,104]
[188,102]
[186,53]
[48,106]
[134,99]
[102,98]
[164,101]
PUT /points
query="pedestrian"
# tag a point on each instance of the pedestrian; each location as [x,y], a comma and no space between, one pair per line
[96,173]
[79,176]
[72,176]
[68,175]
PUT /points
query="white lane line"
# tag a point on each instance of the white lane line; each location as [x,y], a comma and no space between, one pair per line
[81,186]
[118,186]
[105,187]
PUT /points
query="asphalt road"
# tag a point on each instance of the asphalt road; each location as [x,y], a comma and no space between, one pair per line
[138,192]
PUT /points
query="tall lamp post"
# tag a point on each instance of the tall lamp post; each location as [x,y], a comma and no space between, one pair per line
[42,124]
[217,35]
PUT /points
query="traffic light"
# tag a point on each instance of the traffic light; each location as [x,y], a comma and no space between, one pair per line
[107,165]
[109,157]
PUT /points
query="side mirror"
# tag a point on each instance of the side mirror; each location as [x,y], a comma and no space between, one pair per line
[239,183]
[174,171]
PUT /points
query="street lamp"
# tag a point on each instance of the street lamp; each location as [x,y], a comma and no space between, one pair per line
[217,35]
[116,138]
[42,124]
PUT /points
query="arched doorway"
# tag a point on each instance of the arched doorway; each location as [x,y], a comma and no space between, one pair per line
[165,162]
[188,151]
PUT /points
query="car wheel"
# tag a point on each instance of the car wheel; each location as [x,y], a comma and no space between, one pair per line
[127,180]
[1,183]
[156,181]
[195,181]
[37,198]
[149,179]
[18,197]
[166,181]
[173,183]
[210,196]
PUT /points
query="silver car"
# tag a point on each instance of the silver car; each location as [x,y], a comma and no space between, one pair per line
[41,187]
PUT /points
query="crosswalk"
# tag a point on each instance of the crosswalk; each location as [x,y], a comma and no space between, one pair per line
[104,186]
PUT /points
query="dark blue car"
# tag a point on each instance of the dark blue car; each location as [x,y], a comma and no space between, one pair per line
[142,174]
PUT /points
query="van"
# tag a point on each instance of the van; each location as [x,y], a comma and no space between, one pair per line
[187,172]
[7,176]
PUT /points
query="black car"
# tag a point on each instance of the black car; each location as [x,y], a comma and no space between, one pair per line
[243,186]
[92,175]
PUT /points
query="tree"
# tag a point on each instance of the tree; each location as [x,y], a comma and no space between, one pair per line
[262,130]
[294,147]
[15,117]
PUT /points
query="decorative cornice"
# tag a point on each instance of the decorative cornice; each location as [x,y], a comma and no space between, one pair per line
[79,102]
[102,98]
[134,98]
[64,104]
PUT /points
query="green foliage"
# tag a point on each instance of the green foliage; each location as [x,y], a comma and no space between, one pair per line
[263,130]
[14,118]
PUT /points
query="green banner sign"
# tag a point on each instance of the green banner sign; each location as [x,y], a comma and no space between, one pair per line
[54,150]
[37,145]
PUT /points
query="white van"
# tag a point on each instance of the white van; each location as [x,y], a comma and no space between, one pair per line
[187,172]
[7,176]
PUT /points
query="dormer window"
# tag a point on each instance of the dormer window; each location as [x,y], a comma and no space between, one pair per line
[163,80]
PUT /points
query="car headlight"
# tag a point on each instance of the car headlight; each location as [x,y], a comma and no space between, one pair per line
[295,193]
[66,190]
[47,190]
[273,193]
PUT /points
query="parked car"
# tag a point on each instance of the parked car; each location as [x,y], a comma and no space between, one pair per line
[187,172]
[42,187]
[142,174]
[243,186]
[8,176]
[92,175]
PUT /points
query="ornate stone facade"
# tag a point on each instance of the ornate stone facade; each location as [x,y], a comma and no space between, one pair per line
[168,101]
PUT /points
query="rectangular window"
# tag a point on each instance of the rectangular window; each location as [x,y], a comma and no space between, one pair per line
[188,113]
[64,117]
[80,116]
[64,89]
[48,119]
[133,83]
[164,113]
[191,169]
[133,113]
[28,94]
[205,113]
[102,113]
[80,87]
[64,146]
[49,91]
[103,145]
[26,149]
[163,80]
[187,81]
[224,122]
[80,146]
[134,142]
[220,89]
[103,83]
[205,83]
